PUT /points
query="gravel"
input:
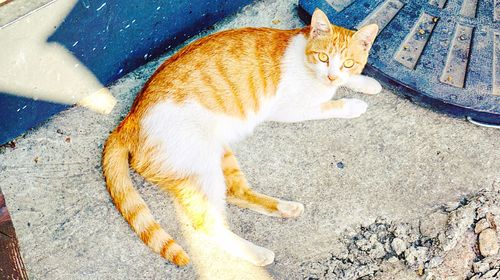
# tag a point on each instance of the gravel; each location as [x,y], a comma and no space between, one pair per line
[444,246]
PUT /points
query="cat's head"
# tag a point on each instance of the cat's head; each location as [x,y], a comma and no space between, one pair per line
[334,53]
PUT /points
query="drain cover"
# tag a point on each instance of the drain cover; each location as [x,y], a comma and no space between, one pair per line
[441,53]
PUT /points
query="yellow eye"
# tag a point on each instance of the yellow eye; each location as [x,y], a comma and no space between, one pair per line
[348,63]
[323,57]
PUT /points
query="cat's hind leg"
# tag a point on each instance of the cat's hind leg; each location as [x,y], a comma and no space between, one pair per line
[240,194]
[207,214]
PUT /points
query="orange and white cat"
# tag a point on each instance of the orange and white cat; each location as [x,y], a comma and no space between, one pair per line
[214,92]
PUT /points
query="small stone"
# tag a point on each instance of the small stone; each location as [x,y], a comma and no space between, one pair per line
[377,252]
[435,262]
[393,259]
[363,244]
[488,244]
[414,256]
[490,274]
[481,212]
[494,263]
[481,225]
[398,245]
[401,230]
[387,247]
[420,270]
[491,219]
[451,206]
[480,267]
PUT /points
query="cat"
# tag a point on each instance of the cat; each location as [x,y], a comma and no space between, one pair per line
[212,93]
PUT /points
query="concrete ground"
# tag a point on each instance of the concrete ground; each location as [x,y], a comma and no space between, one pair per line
[398,161]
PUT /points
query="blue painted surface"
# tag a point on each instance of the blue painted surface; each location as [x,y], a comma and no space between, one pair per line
[112,38]
[423,84]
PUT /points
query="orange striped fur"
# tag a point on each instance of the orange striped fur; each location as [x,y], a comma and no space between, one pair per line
[230,76]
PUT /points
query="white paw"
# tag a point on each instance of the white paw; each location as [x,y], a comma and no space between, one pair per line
[370,86]
[260,256]
[353,108]
[290,209]
[373,87]
[242,248]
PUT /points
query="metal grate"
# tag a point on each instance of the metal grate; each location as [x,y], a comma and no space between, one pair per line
[441,53]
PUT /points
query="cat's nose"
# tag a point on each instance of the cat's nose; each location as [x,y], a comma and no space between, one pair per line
[332,77]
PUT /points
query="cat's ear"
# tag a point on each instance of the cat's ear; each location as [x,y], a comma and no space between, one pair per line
[320,25]
[366,35]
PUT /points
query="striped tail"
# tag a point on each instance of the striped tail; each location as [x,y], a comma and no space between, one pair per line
[131,205]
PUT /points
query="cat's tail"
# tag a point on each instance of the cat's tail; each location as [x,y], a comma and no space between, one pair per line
[131,205]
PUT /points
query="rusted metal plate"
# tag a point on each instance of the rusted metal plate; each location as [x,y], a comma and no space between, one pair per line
[439,3]
[468,8]
[410,50]
[383,14]
[11,263]
[339,5]
[456,62]
[441,54]
[496,65]
[496,10]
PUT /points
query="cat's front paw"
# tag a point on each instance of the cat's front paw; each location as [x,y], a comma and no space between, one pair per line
[261,256]
[353,108]
[290,209]
[367,85]
[373,87]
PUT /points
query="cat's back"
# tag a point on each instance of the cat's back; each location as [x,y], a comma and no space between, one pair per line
[229,72]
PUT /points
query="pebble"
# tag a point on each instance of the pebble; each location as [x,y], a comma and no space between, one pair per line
[377,252]
[393,259]
[480,267]
[416,255]
[495,263]
[363,244]
[488,244]
[401,230]
[387,247]
[435,262]
[451,206]
[481,212]
[398,245]
[481,225]
[490,273]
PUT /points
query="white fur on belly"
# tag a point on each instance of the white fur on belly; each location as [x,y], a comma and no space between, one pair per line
[191,139]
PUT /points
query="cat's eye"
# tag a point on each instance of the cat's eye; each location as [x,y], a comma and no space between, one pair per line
[348,63]
[323,57]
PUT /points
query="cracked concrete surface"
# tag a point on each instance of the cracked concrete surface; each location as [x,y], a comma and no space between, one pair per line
[397,161]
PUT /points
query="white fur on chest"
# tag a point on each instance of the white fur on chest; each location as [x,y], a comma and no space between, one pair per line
[298,90]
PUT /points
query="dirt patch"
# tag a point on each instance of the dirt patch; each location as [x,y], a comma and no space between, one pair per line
[456,241]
